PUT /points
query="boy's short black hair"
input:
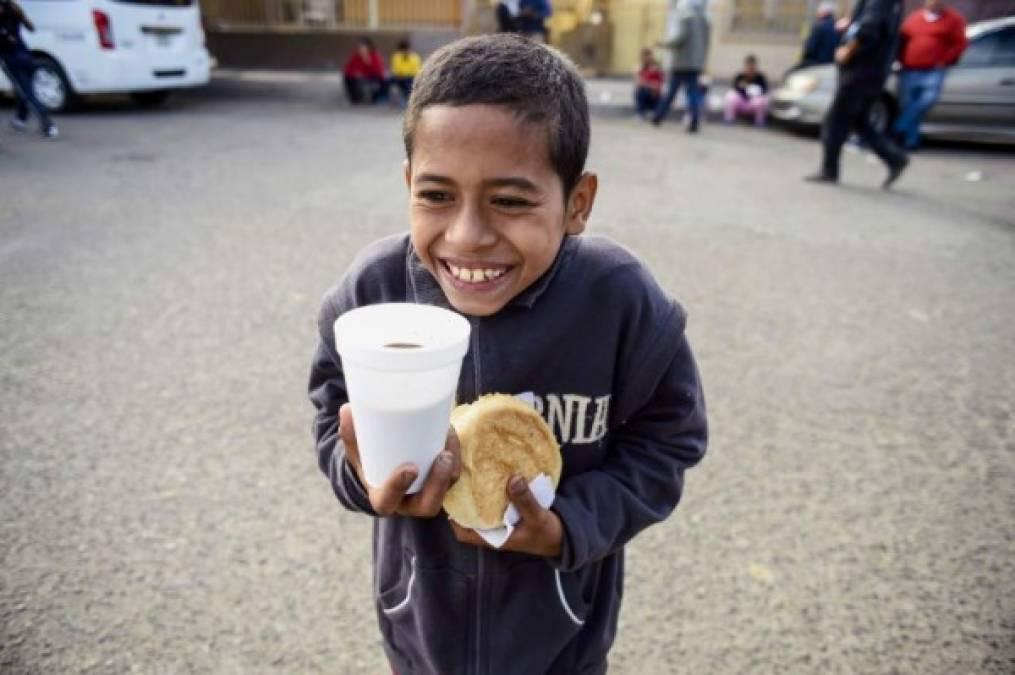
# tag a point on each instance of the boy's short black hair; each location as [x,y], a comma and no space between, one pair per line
[403,45]
[537,83]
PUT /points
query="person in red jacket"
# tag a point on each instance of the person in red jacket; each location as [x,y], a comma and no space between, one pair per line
[931,39]
[364,74]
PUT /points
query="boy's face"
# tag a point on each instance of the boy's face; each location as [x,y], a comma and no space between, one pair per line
[487,207]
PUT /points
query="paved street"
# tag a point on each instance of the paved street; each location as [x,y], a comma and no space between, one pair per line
[160,273]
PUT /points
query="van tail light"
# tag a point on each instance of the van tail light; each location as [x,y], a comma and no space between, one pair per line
[104,28]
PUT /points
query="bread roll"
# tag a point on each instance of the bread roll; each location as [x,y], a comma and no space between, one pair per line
[501,437]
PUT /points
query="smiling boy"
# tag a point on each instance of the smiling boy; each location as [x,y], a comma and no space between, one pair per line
[496,136]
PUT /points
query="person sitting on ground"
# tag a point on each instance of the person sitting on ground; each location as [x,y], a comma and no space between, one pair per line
[648,86]
[823,39]
[364,74]
[405,65]
[749,94]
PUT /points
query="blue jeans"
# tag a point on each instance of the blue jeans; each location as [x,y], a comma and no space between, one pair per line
[645,100]
[919,90]
[20,67]
[688,78]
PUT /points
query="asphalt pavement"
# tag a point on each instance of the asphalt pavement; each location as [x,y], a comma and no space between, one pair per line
[160,273]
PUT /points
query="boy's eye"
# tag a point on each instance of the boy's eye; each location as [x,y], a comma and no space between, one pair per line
[511,202]
[434,196]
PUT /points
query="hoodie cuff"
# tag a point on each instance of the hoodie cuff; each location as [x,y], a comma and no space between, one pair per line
[351,486]
[572,545]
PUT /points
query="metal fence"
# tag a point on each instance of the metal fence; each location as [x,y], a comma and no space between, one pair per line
[288,14]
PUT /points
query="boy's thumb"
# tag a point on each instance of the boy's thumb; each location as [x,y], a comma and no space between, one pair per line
[521,496]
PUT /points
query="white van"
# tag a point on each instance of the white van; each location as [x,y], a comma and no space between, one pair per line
[144,48]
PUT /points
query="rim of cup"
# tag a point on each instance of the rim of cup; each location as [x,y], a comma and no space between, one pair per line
[364,335]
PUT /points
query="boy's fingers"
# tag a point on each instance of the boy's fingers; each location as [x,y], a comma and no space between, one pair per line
[454,446]
[347,432]
[387,497]
[427,502]
[523,499]
[467,536]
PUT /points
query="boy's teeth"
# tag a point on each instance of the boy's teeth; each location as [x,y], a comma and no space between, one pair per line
[474,276]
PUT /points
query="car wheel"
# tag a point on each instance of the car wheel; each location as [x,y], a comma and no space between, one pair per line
[50,85]
[150,99]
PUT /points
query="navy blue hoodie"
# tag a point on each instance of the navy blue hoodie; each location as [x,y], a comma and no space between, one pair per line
[602,346]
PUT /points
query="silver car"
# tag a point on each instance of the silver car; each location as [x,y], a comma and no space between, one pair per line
[977,101]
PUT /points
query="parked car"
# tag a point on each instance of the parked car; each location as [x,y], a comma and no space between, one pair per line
[977,102]
[144,48]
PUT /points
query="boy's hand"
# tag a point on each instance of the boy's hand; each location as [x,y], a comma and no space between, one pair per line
[390,498]
[539,532]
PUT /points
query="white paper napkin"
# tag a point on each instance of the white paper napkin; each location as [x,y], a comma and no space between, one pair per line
[542,489]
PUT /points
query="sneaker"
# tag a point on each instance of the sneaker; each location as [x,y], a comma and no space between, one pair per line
[894,172]
[821,177]
[51,132]
[19,124]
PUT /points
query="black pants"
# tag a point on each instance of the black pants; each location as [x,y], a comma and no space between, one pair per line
[20,67]
[365,89]
[850,111]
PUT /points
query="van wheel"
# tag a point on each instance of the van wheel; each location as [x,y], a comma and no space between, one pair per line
[150,99]
[50,85]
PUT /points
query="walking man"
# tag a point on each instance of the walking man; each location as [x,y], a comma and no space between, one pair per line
[687,33]
[864,59]
[17,62]
[932,39]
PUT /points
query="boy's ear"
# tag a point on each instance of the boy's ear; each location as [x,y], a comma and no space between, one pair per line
[408,173]
[579,204]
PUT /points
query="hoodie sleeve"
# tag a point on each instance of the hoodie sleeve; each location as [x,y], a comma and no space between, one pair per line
[659,431]
[328,392]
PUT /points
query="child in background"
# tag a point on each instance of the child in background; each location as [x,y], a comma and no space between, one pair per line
[496,136]
[648,85]
[748,95]
[405,65]
[364,75]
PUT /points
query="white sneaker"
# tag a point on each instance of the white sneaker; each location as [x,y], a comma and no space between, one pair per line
[19,124]
[51,132]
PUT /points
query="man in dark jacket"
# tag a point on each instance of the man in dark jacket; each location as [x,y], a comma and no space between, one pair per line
[865,59]
[823,39]
[17,62]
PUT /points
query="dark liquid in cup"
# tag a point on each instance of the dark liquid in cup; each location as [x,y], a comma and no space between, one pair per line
[402,345]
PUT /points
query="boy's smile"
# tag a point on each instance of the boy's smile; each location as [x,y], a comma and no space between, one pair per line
[487,207]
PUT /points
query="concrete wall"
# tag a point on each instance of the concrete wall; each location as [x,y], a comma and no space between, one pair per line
[310,49]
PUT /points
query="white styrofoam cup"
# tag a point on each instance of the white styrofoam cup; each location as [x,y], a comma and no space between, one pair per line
[401,397]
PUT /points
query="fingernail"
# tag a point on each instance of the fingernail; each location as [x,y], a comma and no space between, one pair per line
[446,459]
[517,486]
[407,478]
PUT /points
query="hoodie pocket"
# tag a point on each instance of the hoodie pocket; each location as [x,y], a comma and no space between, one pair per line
[423,616]
[536,612]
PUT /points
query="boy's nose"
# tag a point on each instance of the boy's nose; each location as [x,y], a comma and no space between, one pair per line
[469,230]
